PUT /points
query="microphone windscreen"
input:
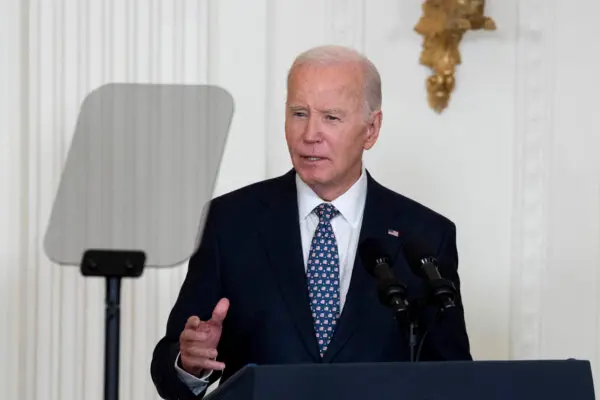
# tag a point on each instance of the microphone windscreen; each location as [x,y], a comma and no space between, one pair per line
[371,251]
[415,251]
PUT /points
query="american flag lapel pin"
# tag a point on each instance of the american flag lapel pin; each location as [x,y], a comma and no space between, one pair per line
[393,232]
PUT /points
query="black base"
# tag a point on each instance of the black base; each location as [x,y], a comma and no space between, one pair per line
[112,265]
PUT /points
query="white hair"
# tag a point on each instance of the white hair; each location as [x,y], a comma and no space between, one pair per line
[333,54]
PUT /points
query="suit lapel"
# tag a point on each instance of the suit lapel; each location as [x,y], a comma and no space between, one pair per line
[378,214]
[283,244]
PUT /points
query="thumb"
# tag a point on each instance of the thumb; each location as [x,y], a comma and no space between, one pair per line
[193,322]
[220,311]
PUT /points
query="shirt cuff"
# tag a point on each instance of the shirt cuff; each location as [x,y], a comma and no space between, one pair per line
[196,385]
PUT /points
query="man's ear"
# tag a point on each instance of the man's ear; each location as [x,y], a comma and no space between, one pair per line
[373,127]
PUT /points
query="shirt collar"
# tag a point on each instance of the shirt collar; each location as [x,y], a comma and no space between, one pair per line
[350,204]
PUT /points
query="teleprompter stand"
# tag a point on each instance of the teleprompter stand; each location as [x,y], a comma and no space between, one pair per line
[142,161]
[112,265]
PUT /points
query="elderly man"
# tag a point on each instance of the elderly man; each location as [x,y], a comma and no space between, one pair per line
[277,279]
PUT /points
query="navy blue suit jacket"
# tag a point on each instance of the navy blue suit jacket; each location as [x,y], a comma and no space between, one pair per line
[251,253]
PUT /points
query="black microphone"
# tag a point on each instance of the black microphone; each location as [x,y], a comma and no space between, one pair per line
[442,291]
[392,293]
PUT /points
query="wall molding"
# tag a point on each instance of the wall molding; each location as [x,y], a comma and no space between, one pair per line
[535,63]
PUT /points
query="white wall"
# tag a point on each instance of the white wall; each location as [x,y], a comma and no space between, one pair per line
[512,161]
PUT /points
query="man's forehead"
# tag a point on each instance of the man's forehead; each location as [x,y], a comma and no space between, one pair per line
[323,89]
[324,84]
[339,98]
[350,72]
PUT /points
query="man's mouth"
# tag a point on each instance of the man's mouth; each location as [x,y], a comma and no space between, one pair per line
[312,158]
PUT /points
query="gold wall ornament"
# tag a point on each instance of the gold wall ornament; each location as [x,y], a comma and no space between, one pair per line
[442,25]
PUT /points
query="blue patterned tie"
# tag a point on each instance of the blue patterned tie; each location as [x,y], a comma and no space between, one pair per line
[323,273]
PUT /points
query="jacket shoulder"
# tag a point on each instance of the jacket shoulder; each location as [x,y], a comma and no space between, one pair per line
[245,203]
[250,193]
[415,211]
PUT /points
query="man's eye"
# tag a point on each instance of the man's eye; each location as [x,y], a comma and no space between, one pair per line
[332,118]
[299,114]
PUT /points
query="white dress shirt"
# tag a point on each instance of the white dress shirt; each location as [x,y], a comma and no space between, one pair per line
[346,227]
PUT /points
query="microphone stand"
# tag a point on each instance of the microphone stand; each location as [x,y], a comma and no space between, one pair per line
[412,340]
[441,294]
[406,318]
[394,296]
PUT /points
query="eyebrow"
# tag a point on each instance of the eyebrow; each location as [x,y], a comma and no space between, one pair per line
[332,111]
[336,111]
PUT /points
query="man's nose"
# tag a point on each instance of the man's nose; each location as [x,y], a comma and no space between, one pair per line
[313,130]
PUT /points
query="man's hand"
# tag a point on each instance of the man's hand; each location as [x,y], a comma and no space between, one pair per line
[199,339]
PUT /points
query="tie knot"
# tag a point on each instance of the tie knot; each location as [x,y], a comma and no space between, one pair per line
[326,211]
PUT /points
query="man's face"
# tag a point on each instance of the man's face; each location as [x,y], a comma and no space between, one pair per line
[326,126]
